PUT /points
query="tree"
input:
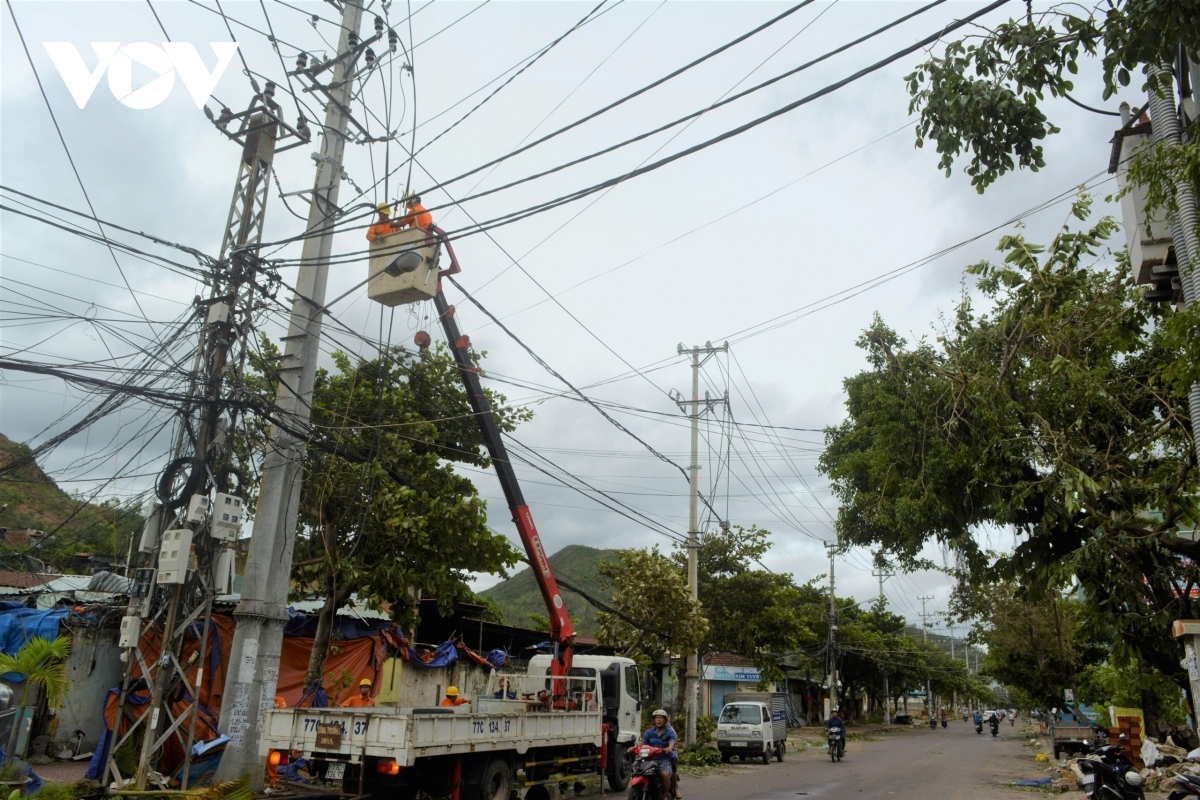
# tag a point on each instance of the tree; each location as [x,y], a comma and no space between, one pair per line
[985,95]
[42,663]
[657,612]
[1061,411]
[753,612]
[396,522]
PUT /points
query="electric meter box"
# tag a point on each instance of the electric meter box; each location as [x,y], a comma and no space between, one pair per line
[197,508]
[226,517]
[223,571]
[1149,238]
[131,629]
[403,267]
[174,556]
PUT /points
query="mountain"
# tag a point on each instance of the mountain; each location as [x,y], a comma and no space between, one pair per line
[30,499]
[518,596]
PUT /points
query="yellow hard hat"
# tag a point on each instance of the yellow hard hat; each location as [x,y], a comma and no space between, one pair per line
[384,209]
[452,691]
[365,682]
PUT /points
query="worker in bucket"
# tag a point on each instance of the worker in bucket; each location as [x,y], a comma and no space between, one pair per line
[453,698]
[384,225]
[363,699]
[417,216]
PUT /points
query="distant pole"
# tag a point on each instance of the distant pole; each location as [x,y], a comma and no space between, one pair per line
[692,675]
[887,695]
[925,640]
[952,658]
[833,698]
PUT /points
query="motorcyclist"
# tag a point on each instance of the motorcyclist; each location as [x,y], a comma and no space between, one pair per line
[663,736]
[835,721]
[993,720]
[978,719]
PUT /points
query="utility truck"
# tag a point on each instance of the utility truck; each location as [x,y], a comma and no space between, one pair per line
[570,715]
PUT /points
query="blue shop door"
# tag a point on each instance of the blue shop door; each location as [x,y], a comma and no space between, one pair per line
[717,692]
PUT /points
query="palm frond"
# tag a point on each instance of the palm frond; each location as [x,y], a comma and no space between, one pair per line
[43,663]
[230,790]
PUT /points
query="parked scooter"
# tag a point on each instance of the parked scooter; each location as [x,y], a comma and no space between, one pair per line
[1109,775]
[837,745]
[1189,786]
[646,783]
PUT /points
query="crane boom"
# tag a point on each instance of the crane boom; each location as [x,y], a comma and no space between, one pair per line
[562,632]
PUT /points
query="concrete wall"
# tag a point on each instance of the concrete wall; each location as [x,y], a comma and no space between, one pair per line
[408,686]
[83,709]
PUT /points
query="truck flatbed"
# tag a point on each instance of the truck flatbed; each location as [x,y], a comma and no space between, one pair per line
[406,734]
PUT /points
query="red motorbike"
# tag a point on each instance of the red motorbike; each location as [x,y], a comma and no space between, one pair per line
[646,783]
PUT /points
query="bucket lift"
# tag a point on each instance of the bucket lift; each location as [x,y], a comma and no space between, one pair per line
[404,269]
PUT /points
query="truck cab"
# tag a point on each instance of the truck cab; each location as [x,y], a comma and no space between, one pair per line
[623,694]
[753,724]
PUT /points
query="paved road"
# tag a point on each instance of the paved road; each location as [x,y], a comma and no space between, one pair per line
[948,764]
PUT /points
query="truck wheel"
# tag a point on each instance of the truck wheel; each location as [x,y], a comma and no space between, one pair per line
[618,768]
[780,750]
[766,755]
[725,757]
[496,781]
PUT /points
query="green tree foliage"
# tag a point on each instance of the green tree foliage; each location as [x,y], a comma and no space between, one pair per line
[649,590]
[1121,682]
[985,95]
[751,611]
[42,663]
[404,523]
[1062,411]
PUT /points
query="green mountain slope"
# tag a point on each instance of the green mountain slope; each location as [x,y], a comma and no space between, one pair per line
[518,596]
[31,499]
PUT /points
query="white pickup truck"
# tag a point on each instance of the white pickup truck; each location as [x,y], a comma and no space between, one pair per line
[397,751]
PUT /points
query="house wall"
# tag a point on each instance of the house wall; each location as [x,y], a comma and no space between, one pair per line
[93,668]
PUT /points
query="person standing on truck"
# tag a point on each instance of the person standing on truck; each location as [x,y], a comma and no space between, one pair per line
[363,699]
[453,698]
[662,736]
[504,692]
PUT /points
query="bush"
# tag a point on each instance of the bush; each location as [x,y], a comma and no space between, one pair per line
[700,757]
[705,727]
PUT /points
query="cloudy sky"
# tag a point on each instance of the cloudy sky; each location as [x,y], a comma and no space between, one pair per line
[793,222]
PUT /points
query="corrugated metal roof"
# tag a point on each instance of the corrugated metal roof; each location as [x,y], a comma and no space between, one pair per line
[25,580]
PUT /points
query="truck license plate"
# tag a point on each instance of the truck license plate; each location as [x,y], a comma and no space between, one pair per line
[1088,779]
[335,771]
[738,744]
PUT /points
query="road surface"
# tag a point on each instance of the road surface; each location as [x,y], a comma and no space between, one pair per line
[947,764]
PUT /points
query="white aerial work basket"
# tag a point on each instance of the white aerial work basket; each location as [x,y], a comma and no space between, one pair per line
[403,267]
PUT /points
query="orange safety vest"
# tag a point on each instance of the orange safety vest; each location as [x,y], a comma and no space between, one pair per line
[382,228]
[358,701]
[458,701]
[418,216]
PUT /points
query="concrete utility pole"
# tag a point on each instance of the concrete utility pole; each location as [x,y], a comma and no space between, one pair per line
[692,675]
[925,640]
[253,672]
[887,695]
[952,658]
[833,677]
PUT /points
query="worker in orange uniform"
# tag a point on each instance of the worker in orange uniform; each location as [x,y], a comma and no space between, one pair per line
[363,699]
[417,215]
[453,698]
[384,225]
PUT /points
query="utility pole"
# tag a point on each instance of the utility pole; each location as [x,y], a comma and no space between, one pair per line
[925,640]
[700,355]
[253,672]
[832,646]
[952,658]
[887,695]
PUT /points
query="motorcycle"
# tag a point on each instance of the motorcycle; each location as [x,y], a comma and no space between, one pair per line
[943,722]
[1189,786]
[837,745]
[979,727]
[645,782]
[1110,775]
[994,724]
[932,723]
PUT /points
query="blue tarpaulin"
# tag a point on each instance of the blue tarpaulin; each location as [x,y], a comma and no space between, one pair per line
[19,624]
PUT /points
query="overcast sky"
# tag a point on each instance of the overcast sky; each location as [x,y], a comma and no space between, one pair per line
[778,222]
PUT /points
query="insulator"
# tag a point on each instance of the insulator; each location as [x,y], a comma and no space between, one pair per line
[393,40]
[315,19]
[226,115]
[369,55]
[269,91]
[208,113]
[378,24]
[302,61]
[352,41]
